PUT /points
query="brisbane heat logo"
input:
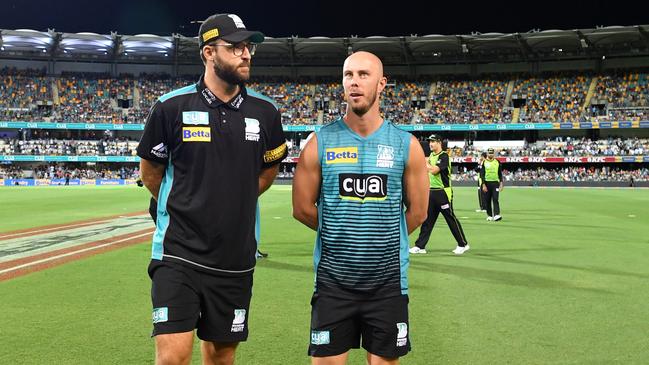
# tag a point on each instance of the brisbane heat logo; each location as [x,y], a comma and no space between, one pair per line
[363,186]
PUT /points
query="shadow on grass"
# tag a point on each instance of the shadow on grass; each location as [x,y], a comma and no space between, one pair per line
[545,223]
[501,277]
[596,270]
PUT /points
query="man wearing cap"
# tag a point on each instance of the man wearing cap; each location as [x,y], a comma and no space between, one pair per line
[208,150]
[492,184]
[440,198]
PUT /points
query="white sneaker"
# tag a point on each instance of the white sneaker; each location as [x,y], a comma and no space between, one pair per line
[460,250]
[497,218]
[416,250]
[490,219]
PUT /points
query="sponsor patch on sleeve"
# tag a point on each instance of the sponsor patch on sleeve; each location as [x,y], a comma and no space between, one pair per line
[275,154]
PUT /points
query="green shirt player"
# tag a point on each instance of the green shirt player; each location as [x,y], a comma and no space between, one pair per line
[440,199]
[492,185]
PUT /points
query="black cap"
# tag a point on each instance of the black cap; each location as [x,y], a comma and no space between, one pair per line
[228,27]
[434,137]
[483,154]
[490,151]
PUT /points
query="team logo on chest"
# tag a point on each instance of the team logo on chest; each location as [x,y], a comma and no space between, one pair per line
[385,156]
[363,186]
[252,129]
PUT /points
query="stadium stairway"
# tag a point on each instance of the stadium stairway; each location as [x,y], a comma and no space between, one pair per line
[510,89]
[55,93]
[136,94]
[431,91]
[416,116]
[516,115]
[591,92]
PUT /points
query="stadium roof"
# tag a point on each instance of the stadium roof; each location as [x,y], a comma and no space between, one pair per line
[431,49]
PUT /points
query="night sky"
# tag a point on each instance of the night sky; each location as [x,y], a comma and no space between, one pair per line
[322,18]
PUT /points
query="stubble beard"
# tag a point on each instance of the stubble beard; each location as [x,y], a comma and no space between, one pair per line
[360,110]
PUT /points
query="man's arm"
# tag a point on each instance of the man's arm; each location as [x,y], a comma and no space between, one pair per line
[442,164]
[482,178]
[151,174]
[266,178]
[415,180]
[274,155]
[500,175]
[306,185]
[432,169]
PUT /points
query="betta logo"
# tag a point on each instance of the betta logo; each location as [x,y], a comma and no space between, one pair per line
[363,186]
[341,155]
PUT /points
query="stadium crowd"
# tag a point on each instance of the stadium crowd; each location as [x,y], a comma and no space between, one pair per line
[622,96]
[30,95]
[554,147]
[61,171]
[467,102]
[567,147]
[567,174]
[69,147]
[553,98]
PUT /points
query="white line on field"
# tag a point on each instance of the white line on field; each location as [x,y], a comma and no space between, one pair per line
[72,253]
[54,228]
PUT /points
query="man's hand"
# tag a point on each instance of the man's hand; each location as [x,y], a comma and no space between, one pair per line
[151,174]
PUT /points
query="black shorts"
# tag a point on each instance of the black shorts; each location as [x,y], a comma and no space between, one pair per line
[185,299]
[338,325]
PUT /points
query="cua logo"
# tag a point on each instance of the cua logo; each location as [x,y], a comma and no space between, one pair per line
[363,186]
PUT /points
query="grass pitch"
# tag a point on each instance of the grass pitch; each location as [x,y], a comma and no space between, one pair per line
[563,279]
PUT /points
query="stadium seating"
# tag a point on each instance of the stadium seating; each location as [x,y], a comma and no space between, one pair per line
[626,96]
[68,147]
[467,102]
[566,174]
[552,98]
[58,171]
[568,147]
[556,147]
[403,98]
[30,95]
